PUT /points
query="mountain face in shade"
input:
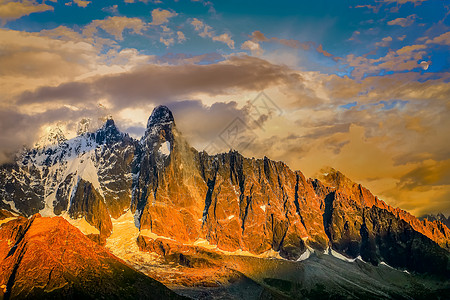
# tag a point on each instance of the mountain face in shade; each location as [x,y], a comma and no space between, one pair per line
[47,258]
[235,203]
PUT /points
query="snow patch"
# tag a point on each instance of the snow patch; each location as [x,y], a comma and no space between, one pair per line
[164,149]
[341,257]
[122,243]
[12,205]
[338,255]
[81,224]
[305,255]
[152,235]
[263,207]
[6,220]
[385,264]
[230,217]
[206,244]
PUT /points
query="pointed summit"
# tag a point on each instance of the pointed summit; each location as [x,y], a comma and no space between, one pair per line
[160,115]
[109,122]
[108,133]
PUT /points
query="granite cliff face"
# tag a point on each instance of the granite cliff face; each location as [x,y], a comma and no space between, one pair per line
[229,201]
[258,205]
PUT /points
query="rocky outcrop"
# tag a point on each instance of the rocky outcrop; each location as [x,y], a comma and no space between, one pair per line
[47,258]
[259,205]
[437,217]
[385,237]
[168,194]
[88,203]
[4,214]
[113,162]
[348,199]
[21,188]
[359,224]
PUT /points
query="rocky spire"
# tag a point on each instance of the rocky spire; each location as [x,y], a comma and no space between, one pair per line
[160,128]
[160,115]
[108,133]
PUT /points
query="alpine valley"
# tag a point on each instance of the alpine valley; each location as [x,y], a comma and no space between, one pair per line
[105,216]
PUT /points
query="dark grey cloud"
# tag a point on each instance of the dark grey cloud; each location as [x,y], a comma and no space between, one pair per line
[156,84]
[202,124]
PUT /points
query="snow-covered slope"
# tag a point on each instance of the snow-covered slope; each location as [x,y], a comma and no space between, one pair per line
[45,179]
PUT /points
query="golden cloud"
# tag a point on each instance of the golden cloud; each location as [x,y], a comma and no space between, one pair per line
[12,10]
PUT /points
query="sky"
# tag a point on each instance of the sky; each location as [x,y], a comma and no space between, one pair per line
[361,86]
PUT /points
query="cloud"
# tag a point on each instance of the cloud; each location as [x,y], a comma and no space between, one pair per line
[182,58]
[82,3]
[405,58]
[355,35]
[158,84]
[207,31]
[443,39]
[404,1]
[111,9]
[198,25]
[224,38]
[19,129]
[12,10]
[51,57]
[31,59]
[374,8]
[384,42]
[168,42]
[115,26]
[429,173]
[258,37]
[325,53]
[403,22]
[254,47]
[180,37]
[161,16]
[211,120]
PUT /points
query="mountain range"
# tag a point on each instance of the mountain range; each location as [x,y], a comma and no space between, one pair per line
[99,213]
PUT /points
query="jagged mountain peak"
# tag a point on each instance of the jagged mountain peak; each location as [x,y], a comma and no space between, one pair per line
[109,122]
[437,217]
[160,129]
[160,115]
[108,133]
[334,178]
[53,136]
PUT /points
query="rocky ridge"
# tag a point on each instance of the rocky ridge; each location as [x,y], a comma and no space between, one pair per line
[47,258]
[233,202]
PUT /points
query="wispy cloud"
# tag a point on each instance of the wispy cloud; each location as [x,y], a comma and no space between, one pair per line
[403,22]
[12,10]
[161,16]
[115,26]
[205,31]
